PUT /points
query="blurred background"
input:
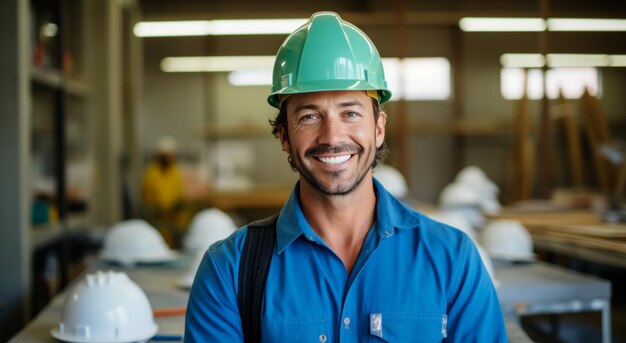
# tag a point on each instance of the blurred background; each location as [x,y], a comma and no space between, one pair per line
[94,93]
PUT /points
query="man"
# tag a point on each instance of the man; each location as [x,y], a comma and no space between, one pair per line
[351,263]
[162,187]
[162,192]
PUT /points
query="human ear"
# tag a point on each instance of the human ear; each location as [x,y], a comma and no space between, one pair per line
[380,128]
[284,139]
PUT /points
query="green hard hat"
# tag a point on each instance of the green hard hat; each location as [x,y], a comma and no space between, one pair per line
[327,54]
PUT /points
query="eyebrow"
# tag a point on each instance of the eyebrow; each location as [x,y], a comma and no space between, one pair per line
[315,107]
[305,107]
[351,103]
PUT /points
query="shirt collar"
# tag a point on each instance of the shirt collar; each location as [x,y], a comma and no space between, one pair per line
[291,221]
[391,214]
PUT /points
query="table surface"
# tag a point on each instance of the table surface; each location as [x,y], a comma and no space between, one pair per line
[577,233]
[540,282]
[160,283]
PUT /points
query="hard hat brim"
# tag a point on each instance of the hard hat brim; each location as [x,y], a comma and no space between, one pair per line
[80,339]
[329,86]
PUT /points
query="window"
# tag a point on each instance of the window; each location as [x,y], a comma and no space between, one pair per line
[571,81]
[414,78]
[418,78]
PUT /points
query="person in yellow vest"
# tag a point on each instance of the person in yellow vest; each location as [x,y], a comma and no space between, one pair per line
[162,192]
[162,187]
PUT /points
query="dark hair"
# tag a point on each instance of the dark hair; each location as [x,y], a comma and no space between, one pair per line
[281,122]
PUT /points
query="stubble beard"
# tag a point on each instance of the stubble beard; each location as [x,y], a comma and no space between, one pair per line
[331,188]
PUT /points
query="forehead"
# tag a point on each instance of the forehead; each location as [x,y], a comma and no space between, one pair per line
[329,98]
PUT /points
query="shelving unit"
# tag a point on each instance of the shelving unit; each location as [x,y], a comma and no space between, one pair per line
[60,122]
[56,102]
[47,233]
[55,79]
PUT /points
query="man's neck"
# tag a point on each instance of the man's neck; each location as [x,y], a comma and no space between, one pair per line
[341,221]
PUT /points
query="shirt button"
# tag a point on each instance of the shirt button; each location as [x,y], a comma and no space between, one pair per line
[310,238]
[323,338]
[387,233]
[346,321]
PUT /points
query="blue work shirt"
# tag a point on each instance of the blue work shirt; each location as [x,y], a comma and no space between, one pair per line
[415,280]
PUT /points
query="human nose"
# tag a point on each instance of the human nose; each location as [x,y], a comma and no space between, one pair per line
[331,132]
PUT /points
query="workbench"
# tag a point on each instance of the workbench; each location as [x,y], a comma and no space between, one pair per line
[579,234]
[603,243]
[541,288]
[159,282]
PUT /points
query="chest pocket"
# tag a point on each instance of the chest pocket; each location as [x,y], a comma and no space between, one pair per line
[301,330]
[411,327]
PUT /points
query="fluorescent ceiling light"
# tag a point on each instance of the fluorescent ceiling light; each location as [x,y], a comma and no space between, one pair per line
[172,28]
[617,60]
[256,26]
[577,60]
[216,63]
[561,60]
[522,60]
[256,77]
[216,27]
[476,24]
[494,24]
[589,25]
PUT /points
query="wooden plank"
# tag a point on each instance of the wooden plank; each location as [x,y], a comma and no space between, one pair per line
[620,186]
[587,242]
[570,124]
[600,124]
[522,163]
[604,230]
[545,169]
[596,137]
[597,255]
[550,218]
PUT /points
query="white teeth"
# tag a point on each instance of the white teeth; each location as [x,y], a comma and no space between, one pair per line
[334,159]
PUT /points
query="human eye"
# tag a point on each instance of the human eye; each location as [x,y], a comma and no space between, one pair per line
[352,114]
[307,118]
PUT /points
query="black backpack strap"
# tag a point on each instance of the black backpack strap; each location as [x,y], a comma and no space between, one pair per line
[256,256]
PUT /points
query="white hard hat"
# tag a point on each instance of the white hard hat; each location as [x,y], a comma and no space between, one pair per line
[186,281]
[459,197]
[166,145]
[476,177]
[106,307]
[486,189]
[458,194]
[508,240]
[392,180]
[490,205]
[456,219]
[207,227]
[135,241]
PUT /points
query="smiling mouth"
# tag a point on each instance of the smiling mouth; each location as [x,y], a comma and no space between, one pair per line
[334,159]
